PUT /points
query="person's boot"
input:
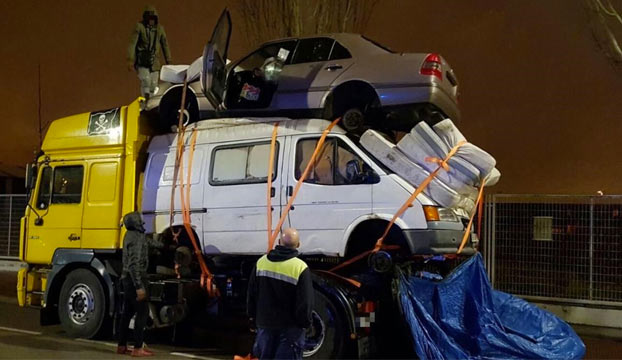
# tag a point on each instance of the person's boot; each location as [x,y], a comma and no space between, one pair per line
[122,350]
[141,352]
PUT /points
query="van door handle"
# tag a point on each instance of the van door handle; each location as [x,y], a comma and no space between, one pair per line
[73,237]
[272,191]
[290,190]
[333,67]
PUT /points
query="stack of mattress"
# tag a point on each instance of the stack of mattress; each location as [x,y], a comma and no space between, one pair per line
[456,188]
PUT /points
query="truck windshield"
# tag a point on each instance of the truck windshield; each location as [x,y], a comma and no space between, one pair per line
[43,200]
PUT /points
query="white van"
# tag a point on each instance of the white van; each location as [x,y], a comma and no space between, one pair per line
[342,208]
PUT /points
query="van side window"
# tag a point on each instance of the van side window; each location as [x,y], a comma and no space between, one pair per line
[246,164]
[43,199]
[67,185]
[336,164]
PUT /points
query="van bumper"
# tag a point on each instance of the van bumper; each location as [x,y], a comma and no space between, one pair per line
[439,241]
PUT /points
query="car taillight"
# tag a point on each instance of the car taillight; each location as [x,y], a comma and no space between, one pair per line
[432,66]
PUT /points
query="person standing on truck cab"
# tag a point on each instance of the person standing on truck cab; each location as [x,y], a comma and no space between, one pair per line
[143,53]
[135,264]
[279,302]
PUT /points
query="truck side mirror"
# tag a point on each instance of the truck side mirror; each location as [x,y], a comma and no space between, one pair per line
[31,176]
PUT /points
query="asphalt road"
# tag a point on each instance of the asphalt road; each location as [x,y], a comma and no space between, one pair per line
[21,337]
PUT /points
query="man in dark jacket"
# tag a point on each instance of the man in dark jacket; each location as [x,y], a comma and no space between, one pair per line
[143,54]
[135,264]
[280,298]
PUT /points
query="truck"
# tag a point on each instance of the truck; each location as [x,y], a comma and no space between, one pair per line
[95,167]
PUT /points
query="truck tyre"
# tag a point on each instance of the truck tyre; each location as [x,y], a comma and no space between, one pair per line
[326,339]
[82,304]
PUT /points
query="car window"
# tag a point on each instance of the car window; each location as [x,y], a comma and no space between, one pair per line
[339,52]
[336,163]
[245,164]
[312,50]
[257,59]
[67,184]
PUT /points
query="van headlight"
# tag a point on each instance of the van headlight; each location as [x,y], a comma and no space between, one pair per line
[434,213]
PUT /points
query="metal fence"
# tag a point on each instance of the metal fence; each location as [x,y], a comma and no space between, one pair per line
[11,210]
[565,249]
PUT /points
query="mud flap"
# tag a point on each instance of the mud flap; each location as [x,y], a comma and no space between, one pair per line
[462,316]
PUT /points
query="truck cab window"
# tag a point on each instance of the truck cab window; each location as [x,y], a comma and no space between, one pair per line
[242,164]
[67,185]
[336,164]
[43,199]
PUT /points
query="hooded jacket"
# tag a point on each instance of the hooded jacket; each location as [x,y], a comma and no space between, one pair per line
[136,249]
[280,291]
[146,43]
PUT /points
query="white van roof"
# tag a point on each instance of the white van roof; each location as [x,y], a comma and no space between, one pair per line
[243,129]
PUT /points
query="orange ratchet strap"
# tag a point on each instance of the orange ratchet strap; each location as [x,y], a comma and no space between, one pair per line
[184,192]
[270,171]
[467,231]
[304,175]
[442,164]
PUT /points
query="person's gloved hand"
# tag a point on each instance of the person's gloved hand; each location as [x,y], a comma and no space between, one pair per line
[251,325]
[141,294]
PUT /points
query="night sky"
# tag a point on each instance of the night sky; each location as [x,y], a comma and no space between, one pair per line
[536,90]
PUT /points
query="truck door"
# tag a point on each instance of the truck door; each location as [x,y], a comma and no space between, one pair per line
[236,197]
[59,203]
[332,197]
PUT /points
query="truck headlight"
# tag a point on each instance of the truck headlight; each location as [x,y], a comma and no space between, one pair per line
[434,213]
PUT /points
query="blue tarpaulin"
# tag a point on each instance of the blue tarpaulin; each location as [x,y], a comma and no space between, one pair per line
[463,317]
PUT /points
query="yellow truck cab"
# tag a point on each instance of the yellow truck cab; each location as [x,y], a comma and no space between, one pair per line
[84,179]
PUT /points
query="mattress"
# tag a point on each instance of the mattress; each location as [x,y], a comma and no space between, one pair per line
[450,136]
[391,156]
[422,142]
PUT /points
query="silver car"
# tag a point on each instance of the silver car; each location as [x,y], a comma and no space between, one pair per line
[321,76]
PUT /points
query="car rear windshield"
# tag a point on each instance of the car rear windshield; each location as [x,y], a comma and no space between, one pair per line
[378,45]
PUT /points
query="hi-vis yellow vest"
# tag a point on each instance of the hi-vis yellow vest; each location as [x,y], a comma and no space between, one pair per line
[288,270]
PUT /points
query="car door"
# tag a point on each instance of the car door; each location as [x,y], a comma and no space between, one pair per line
[315,65]
[332,197]
[59,203]
[236,197]
[213,77]
[252,81]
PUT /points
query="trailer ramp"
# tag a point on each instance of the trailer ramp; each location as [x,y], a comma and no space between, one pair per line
[462,317]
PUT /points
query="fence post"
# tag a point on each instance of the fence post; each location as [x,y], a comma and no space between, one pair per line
[591,294]
[493,239]
[8,247]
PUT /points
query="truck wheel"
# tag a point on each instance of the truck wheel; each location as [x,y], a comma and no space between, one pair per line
[82,304]
[326,339]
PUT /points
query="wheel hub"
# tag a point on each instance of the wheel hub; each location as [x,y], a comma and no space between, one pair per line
[314,338]
[80,304]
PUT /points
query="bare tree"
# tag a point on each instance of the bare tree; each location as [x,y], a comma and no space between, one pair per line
[269,19]
[606,21]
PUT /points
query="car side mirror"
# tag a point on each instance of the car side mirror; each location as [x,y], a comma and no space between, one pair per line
[370,176]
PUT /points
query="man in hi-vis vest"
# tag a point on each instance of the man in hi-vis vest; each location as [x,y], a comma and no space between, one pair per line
[280,298]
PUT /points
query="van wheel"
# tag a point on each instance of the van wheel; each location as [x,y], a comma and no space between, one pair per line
[326,338]
[82,304]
